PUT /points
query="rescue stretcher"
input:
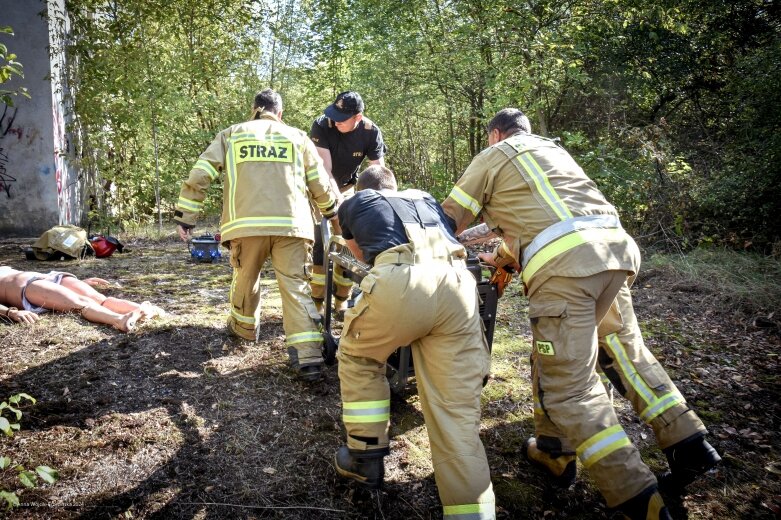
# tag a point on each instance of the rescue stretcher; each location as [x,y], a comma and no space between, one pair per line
[400,368]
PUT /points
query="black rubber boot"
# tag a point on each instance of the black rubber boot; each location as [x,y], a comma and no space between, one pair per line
[648,505]
[688,460]
[365,467]
[560,466]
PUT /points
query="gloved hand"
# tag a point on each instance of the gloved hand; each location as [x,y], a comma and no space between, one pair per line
[501,277]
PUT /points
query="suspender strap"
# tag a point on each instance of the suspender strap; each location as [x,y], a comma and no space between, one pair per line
[424,214]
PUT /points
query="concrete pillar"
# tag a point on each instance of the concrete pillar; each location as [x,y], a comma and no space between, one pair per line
[39,186]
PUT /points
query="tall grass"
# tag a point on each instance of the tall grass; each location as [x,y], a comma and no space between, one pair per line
[740,281]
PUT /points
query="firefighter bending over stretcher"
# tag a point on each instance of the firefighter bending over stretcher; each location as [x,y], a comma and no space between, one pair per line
[418,277]
[26,294]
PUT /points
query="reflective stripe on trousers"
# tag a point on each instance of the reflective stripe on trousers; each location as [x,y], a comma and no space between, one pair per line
[484,511]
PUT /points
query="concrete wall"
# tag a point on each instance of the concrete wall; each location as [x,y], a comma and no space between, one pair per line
[38,187]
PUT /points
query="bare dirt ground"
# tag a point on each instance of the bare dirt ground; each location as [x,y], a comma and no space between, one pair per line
[178,420]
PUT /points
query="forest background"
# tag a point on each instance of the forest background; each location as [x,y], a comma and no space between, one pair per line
[672,107]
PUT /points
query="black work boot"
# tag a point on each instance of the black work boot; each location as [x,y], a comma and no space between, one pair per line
[688,460]
[561,466]
[311,373]
[648,505]
[365,467]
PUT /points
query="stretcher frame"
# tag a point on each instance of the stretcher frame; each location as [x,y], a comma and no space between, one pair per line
[399,368]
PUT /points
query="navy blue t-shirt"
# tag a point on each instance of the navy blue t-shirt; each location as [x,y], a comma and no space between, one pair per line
[368,218]
[348,150]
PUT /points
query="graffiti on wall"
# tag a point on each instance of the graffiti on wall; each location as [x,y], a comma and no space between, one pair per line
[6,127]
[66,176]
[6,180]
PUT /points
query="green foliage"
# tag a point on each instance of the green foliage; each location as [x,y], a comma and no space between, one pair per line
[9,68]
[672,107]
[27,478]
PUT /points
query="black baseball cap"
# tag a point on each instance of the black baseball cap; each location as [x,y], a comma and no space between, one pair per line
[347,104]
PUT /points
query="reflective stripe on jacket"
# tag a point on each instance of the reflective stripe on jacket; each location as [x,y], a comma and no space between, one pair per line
[270,172]
[526,185]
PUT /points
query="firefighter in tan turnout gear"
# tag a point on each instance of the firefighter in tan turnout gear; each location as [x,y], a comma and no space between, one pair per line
[418,292]
[270,172]
[578,264]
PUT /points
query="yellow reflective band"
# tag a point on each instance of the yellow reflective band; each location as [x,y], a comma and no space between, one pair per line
[341,280]
[312,175]
[602,444]
[244,319]
[538,409]
[325,205]
[543,185]
[231,185]
[318,279]
[206,166]
[366,411]
[564,244]
[628,369]
[189,205]
[505,251]
[661,405]
[362,405]
[482,511]
[464,200]
[286,222]
[304,337]
[604,378]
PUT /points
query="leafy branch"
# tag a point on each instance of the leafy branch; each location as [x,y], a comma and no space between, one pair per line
[9,67]
[27,478]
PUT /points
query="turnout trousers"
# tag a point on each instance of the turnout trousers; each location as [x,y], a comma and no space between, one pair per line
[342,281]
[434,307]
[290,257]
[578,325]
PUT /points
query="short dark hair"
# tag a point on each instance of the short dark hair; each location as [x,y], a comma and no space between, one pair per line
[376,177]
[268,101]
[509,121]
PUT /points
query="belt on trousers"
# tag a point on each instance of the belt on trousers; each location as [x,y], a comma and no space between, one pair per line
[564,235]
[409,258]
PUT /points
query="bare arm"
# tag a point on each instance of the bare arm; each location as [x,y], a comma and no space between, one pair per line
[325,155]
[380,161]
[14,314]
[352,245]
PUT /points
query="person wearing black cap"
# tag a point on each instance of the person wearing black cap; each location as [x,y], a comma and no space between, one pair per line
[343,137]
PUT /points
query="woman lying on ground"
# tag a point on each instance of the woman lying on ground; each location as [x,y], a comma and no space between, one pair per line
[26,294]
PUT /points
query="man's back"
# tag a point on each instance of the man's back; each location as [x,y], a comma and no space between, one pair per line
[270,170]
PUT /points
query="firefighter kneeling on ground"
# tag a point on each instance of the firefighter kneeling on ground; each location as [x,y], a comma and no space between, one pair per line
[270,169]
[417,293]
[578,264]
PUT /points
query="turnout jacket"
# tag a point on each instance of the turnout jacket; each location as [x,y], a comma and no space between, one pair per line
[270,170]
[550,215]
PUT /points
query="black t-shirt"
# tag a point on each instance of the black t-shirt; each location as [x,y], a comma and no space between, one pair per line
[348,150]
[368,218]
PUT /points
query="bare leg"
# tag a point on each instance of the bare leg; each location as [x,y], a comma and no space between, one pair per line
[117,305]
[59,298]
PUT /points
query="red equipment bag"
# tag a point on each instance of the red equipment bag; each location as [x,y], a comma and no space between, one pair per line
[104,246]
